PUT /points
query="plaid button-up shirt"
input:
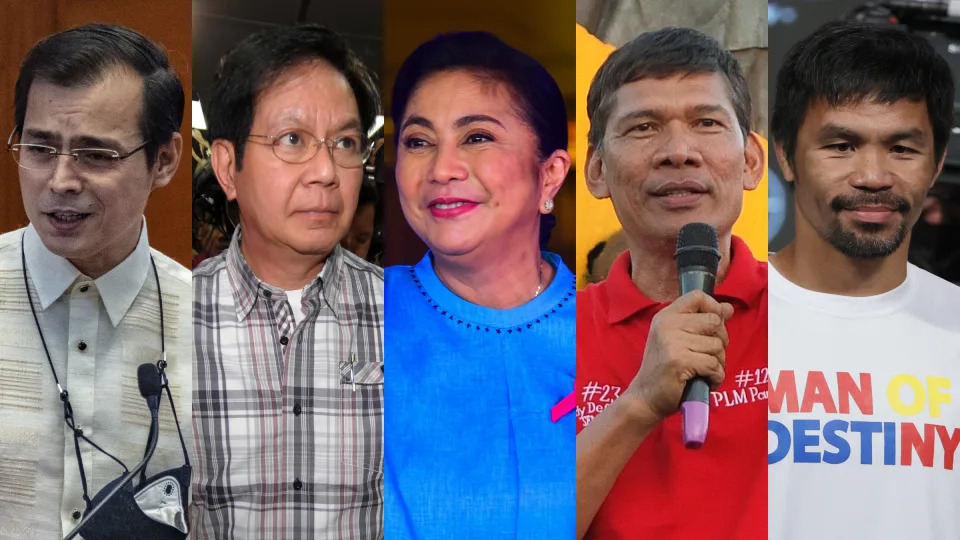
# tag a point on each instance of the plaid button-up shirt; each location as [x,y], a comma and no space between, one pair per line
[288,418]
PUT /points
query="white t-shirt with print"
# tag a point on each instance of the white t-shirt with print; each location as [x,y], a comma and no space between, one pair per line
[864,423]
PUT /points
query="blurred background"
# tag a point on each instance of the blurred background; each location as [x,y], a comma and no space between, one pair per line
[541,28]
[603,25]
[383,33]
[935,244]
[25,23]
[218,25]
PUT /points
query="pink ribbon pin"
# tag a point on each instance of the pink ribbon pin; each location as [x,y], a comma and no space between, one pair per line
[566,405]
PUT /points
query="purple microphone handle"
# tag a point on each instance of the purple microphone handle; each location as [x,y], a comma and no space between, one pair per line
[696,418]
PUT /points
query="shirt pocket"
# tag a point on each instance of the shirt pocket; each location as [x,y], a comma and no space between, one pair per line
[361,384]
[357,370]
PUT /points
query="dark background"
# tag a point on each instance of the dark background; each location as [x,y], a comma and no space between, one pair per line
[218,25]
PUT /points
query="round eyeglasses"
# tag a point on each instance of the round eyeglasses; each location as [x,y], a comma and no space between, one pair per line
[298,146]
[42,157]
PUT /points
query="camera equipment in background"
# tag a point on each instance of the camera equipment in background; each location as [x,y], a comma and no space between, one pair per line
[938,23]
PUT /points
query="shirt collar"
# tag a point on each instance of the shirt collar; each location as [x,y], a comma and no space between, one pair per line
[52,275]
[746,279]
[247,286]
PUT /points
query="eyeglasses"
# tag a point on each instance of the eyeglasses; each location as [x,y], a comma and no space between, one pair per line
[298,146]
[40,157]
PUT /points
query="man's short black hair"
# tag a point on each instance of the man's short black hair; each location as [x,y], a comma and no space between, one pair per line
[261,58]
[82,56]
[537,98]
[658,55]
[846,62]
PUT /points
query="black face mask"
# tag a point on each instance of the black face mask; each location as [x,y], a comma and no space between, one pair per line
[155,509]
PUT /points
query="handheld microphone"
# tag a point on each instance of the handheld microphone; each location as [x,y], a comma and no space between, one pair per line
[698,259]
[148,380]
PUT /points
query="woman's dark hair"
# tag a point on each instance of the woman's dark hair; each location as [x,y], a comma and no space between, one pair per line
[82,56]
[847,62]
[537,98]
[261,58]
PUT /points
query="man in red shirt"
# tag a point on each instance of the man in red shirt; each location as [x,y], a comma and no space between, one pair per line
[670,144]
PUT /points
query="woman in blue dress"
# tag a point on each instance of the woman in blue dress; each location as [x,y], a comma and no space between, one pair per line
[480,334]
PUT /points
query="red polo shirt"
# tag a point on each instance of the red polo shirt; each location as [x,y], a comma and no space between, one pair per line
[666,491]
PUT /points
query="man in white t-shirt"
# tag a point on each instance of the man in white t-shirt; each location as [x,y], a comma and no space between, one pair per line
[864,391]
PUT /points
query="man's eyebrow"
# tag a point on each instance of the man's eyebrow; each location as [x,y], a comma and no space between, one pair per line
[653,114]
[914,134]
[834,131]
[89,141]
[348,124]
[297,117]
[709,108]
[40,135]
[80,141]
[639,114]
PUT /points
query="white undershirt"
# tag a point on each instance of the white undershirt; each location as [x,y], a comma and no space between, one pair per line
[295,298]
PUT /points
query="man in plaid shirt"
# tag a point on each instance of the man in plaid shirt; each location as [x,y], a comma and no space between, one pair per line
[288,357]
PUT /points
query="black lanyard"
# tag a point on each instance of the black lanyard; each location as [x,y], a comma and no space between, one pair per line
[68,417]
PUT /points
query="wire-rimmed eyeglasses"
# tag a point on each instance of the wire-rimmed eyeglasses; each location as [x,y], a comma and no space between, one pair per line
[300,146]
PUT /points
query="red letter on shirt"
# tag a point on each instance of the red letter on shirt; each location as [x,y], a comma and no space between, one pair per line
[817,391]
[785,387]
[950,443]
[862,395]
[910,440]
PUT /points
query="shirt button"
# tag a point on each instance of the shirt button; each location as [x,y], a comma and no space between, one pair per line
[75,514]
[268,294]
[284,340]
[297,409]
[82,345]
[297,484]
[83,288]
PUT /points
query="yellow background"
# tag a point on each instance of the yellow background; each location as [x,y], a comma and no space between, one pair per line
[596,220]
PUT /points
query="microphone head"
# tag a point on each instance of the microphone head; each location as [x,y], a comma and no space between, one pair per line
[148,379]
[697,246]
